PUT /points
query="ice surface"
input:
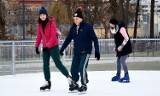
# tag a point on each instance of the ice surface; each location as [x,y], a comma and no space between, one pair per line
[143,83]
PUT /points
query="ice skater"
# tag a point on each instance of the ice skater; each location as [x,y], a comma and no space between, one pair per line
[47,32]
[122,47]
[82,35]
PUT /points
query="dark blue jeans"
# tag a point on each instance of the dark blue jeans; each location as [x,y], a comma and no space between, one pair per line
[79,65]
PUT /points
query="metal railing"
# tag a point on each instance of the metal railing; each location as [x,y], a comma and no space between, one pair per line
[20,56]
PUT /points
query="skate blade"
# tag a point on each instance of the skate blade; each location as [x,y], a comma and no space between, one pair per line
[74,91]
[125,81]
[46,90]
[81,93]
[114,80]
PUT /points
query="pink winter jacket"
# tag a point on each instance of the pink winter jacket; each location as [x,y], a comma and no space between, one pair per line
[49,37]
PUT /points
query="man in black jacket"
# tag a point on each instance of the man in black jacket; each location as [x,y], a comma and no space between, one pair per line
[83,35]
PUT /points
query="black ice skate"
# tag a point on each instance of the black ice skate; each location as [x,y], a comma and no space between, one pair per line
[46,86]
[73,87]
[82,89]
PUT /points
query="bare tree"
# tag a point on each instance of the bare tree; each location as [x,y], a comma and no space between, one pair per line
[136,20]
[121,10]
[5,32]
[2,20]
[126,13]
[59,11]
[114,8]
[95,11]
[152,19]
[71,6]
[118,8]
[104,14]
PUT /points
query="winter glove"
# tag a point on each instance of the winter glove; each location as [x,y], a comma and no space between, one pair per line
[45,49]
[37,51]
[61,52]
[97,55]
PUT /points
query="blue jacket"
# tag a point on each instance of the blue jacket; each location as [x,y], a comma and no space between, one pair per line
[82,39]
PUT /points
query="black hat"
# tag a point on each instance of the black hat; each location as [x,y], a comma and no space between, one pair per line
[78,13]
[43,11]
[113,21]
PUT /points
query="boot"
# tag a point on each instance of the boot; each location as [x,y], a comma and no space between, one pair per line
[125,79]
[116,78]
[73,86]
[82,89]
[47,85]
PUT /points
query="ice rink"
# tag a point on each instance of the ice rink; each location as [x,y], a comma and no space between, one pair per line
[143,83]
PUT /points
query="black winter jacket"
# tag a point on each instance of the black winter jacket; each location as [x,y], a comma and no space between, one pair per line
[82,40]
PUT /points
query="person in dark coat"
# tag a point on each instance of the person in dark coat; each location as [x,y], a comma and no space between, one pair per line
[122,47]
[82,35]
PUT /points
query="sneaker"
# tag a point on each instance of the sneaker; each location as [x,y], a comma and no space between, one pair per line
[47,85]
[116,78]
[125,79]
[83,88]
[73,86]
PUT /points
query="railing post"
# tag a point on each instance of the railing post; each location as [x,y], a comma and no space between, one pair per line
[13,58]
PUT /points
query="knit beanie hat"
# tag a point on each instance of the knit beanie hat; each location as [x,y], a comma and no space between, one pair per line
[78,13]
[113,21]
[43,11]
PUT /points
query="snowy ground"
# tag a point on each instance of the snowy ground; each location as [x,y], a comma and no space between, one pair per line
[143,83]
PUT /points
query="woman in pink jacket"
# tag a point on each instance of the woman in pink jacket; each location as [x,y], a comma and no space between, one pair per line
[47,33]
